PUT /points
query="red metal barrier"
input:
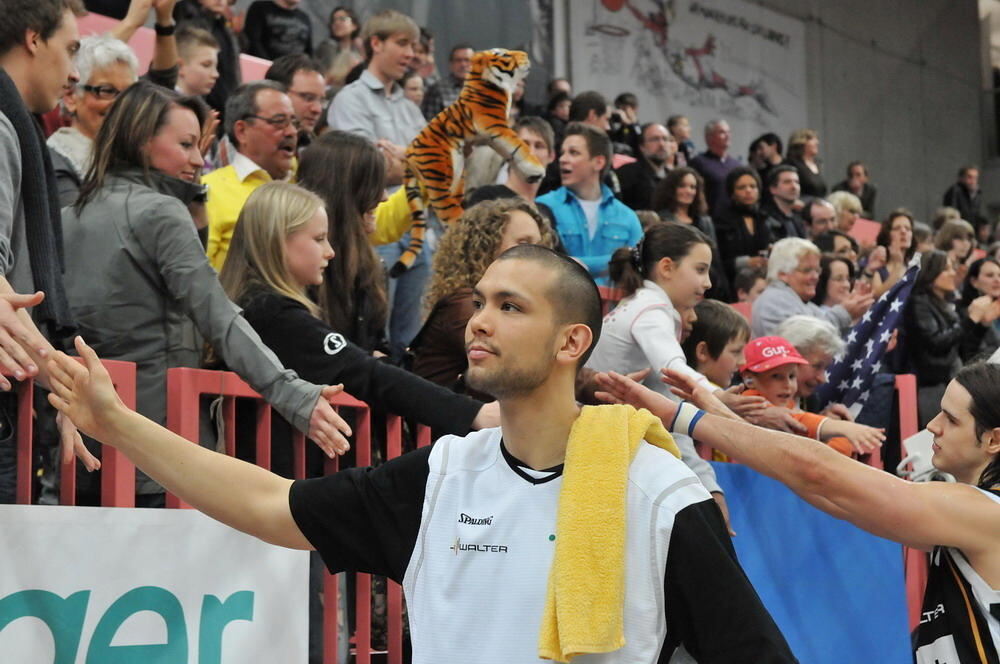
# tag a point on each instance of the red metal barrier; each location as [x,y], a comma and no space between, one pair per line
[117,472]
[185,389]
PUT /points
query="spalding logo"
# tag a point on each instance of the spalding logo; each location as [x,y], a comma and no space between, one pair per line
[770,351]
[334,343]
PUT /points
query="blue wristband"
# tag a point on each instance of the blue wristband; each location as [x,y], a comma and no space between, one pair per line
[687,416]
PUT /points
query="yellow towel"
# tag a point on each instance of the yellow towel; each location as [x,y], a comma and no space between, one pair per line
[584,605]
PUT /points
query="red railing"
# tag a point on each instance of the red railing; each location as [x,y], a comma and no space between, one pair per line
[185,390]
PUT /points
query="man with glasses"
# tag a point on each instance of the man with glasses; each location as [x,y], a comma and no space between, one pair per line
[303,78]
[792,273]
[261,124]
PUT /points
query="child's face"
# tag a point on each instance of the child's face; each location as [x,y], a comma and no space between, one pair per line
[686,281]
[778,385]
[720,370]
[199,71]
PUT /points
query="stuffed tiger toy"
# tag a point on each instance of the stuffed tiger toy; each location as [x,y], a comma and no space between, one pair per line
[435,158]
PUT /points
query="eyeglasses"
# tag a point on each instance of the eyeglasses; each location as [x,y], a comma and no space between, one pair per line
[808,270]
[277,121]
[105,92]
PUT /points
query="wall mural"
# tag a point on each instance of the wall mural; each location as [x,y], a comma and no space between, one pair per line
[701,58]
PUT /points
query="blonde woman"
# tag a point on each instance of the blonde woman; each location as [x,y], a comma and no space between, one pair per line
[803,154]
[279,252]
[463,254]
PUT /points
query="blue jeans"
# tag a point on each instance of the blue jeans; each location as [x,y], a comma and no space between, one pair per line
[406,292]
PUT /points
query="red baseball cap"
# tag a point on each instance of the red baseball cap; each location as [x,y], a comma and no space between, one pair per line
[765,353]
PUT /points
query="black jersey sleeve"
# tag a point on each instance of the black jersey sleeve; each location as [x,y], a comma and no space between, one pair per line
[364,519]
[712,609]
[319,354]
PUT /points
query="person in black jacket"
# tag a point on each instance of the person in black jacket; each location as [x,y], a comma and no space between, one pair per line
[744,238]
[638,179]
[278,252]
[936,331]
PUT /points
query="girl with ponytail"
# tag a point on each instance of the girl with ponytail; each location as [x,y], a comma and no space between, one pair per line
[663,277]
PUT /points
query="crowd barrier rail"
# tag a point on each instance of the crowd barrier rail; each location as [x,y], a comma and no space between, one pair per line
[185,390]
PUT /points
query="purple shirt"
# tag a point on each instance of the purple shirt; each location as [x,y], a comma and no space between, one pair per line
[714,171]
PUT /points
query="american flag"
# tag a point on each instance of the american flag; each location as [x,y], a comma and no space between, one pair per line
[850,376]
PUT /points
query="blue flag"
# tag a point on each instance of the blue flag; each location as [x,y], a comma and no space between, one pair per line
[850,376]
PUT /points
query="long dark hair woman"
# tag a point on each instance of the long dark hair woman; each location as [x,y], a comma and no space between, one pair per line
[937,331]
[354,287]
[680,198]
[744,238]
[138,280]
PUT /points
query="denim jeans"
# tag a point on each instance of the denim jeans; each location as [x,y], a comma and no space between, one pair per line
[406,292]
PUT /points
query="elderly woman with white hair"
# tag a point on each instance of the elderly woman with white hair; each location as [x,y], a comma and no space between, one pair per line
[107,66]
[792,273]
[818,342]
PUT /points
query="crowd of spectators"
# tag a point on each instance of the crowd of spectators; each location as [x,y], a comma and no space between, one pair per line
[176,154]
[290,188]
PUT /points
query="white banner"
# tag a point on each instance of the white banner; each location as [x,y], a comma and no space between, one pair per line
[88,585]
[700,58]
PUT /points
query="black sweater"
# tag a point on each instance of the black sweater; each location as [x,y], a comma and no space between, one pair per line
[310,348]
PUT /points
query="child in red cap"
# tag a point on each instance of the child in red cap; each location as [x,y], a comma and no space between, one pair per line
[771,372]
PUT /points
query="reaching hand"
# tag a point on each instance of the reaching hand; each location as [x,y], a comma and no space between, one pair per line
[838,411]
[779,419]
[689,389]
[487,417]
[744,406]
[865,439]
[72,444]
[84,393]
[14,336]
[616,388]
[326,428]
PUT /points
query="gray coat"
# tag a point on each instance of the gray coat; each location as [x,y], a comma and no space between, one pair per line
[141,289]
[779,302]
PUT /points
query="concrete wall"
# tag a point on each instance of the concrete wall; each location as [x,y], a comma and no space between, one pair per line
[895,83]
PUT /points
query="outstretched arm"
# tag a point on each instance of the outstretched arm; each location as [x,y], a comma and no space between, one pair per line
[920,515]
[236,493]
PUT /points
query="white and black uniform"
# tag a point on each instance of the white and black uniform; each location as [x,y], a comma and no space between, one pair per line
[960,621]
[470,533]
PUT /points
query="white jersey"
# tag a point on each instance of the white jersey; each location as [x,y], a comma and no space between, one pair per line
[471,534]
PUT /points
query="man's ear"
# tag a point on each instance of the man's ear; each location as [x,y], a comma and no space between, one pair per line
[576,340]
[239,131]
[991,439]
[32,41]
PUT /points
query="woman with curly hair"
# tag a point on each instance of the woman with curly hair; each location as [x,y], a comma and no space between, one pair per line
[485,231]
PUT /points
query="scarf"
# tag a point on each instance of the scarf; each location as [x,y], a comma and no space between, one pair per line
[77,148]
[42,220]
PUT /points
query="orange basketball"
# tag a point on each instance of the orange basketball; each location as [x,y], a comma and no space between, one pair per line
[613,5]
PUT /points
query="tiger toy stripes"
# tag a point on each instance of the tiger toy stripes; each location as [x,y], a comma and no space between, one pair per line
[435,159]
